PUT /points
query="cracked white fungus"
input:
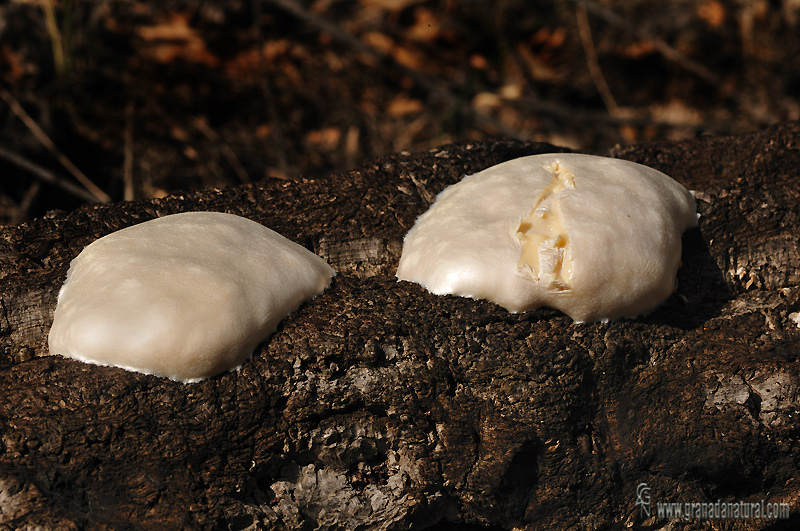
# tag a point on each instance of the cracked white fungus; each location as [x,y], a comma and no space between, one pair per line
[185,296]
[595,237]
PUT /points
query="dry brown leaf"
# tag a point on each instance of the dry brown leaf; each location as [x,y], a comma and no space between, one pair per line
[638,49]
[326,139]
[11,65]
[190,153]
[486,100]
[388,5]
[550,38]
[175,28]
[153,192]
[351,141]
[263,131]
[410,57]
[509,117]
[321,6]
[675,112]
[275,173]
[379,41]
[175,39]
[628,134]
[277,48]
[537,67]
[512,91]
[791,12]
[426,26]
[478,62]
[247,64]
[404,55]
[402,105]
[178,133]
[712,13]
[244,65]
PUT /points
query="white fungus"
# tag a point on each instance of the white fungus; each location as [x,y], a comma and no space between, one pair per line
[595,237]
[185,296]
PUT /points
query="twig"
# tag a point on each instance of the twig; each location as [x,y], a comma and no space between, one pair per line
[585,32]
[441,91]
[55,35]
[266,90]
[223,147]
[563,112]
[127,160]
[673,55]
[41,136]
[27,201]
[46,175]
[320,23]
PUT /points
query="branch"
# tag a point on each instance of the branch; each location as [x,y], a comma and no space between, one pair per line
[41,136]
[596,72]
[675,56]
[127,160]
[224,148]
[47,176]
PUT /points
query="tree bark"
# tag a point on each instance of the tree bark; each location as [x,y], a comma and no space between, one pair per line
[380,406]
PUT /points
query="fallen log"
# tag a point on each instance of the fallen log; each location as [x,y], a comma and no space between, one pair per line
[380,406]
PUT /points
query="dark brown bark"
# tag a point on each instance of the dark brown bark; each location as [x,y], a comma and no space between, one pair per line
[380,406]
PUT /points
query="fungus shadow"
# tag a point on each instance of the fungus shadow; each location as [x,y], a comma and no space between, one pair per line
[701,290]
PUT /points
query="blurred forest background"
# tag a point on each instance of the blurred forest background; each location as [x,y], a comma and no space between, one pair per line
[124,99]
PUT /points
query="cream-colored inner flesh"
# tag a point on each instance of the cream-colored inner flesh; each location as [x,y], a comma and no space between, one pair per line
[545,243]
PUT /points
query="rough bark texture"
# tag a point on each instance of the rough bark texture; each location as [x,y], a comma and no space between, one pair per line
[380,406]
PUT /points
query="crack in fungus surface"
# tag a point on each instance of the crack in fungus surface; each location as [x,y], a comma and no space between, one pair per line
[545,243]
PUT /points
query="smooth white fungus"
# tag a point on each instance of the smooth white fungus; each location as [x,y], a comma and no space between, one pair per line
[595,237]
[185,296]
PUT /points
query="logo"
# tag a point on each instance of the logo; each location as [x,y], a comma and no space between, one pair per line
[643,500]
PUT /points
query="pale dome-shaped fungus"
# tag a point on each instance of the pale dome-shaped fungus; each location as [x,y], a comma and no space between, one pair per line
[185,297]
[595,237]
